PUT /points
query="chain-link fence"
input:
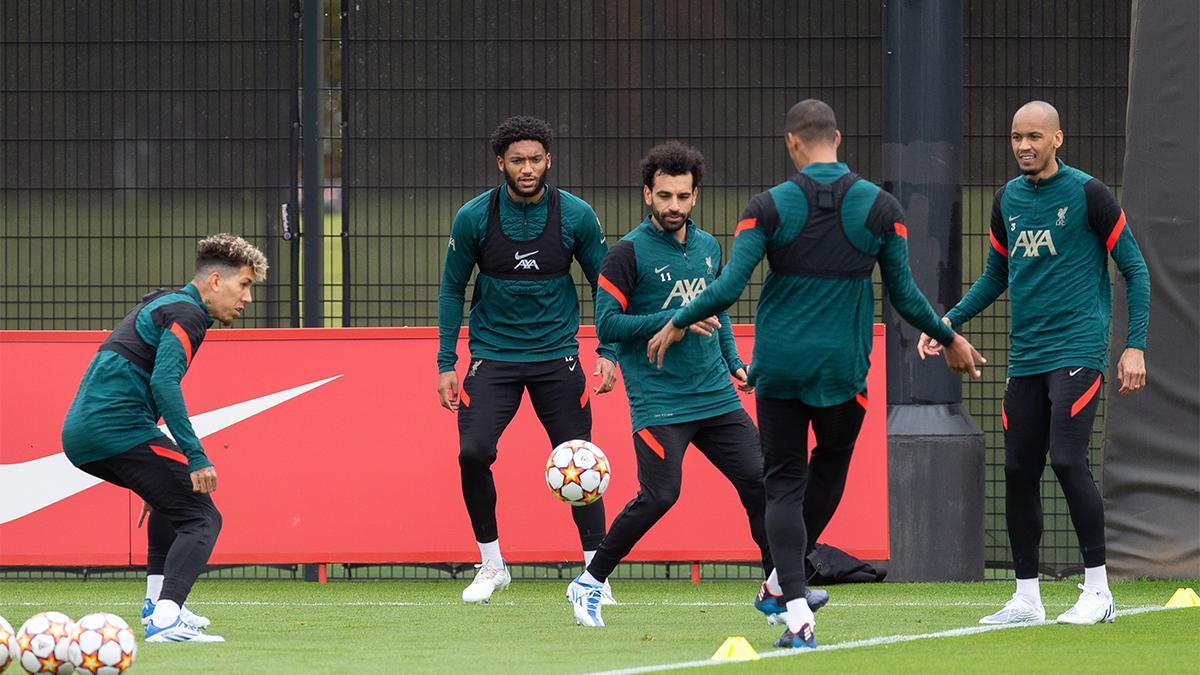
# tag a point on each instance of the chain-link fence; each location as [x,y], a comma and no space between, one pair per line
[131,130]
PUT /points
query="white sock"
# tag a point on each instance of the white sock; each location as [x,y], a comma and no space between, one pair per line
[587,557]
[1030,589]
[154,584]
[165,613]
[1096,578]
[773,583]
[491,552]
[799,614]
[587,578]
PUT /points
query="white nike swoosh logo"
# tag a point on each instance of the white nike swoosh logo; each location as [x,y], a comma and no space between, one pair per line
[659,270]
[519,256]
[38,483]
[1012,218]
[1072,373]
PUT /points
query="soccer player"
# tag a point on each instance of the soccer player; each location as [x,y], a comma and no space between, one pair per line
[524,316]
[1052,230]
[822,231]
[111,428]
[655,269]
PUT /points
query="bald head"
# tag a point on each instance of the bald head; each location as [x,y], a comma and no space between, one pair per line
[1036,137]
[811,121]
[1040,114]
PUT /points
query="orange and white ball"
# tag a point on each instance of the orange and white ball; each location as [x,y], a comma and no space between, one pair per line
[577,472]
[102,644]
[8,645]
[42,643]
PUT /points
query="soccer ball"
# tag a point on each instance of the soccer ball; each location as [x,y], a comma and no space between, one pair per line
[102,644]
[42,643]
[8,644]
[577,472]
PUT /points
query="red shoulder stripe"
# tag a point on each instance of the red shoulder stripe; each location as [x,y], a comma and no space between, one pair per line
[1116,232]
[185,341]
[997,245]
[613,291]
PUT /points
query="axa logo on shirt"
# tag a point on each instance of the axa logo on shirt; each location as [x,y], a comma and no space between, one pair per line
[1032,241]
[525,262]
[686,290]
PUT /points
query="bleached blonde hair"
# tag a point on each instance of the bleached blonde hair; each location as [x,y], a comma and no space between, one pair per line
[228,250]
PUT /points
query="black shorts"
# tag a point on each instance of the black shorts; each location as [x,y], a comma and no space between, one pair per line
[158,473]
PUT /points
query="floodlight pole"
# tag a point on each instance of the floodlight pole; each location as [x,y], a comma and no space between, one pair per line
[935,449]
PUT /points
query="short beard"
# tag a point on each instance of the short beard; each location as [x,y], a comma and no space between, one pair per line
[661,219]
[516,187]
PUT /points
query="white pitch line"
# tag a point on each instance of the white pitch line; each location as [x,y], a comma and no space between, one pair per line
[448,603]
[854,644]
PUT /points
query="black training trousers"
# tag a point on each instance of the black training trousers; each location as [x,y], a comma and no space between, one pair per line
[729,441]
[801,499]
[1051,413]
[183,524]
[488,399]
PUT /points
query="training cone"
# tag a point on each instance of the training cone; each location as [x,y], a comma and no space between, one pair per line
[735,649]
[1184,597]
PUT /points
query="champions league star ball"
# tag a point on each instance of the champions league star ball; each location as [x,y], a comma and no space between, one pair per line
[8,644]
[577,472]
[102,644]
[42,643]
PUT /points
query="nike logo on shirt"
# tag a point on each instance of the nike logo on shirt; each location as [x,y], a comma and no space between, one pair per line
[659,270]
[520,256]
[1072,373]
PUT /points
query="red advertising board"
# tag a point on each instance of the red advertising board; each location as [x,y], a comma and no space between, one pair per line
[331,446]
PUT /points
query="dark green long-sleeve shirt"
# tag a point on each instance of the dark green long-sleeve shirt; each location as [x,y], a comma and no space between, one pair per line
[134,379]
[1050,245]
[647,275]
[813,332]
[517,320]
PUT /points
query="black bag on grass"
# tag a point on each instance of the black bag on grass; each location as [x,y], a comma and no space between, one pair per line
[831,565]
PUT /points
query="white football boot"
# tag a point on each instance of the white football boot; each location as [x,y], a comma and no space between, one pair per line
[180,631]
[1093,606]
[585,603]
[1019,609]
[188,616]
[487,580]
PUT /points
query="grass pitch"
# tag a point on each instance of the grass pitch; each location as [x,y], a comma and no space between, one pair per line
[420,626]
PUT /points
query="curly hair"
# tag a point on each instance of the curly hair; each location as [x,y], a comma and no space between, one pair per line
[672,159]
[230,251]
[521,128]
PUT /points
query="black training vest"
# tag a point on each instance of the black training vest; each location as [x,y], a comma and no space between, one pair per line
[538,259]
[822,248]
[125,339]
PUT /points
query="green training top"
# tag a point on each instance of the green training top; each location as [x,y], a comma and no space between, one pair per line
[1051,240]
[134,379]
[646,277]
[518,319]
[814,323]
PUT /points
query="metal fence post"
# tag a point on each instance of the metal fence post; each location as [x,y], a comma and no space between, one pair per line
[313,200]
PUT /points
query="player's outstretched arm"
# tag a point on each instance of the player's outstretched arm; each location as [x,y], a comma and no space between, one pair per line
[749,247]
